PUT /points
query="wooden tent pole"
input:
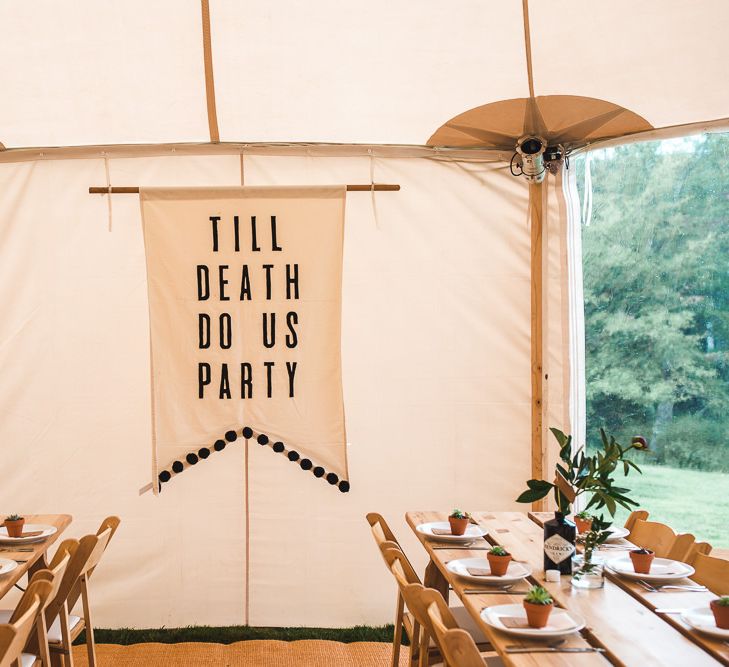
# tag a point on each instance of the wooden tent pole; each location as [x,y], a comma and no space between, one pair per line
[368,187]
[536,219]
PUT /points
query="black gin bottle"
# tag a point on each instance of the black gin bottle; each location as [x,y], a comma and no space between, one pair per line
[559,543]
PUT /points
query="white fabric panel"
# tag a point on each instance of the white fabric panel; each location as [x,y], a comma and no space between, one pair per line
[436,367]
[662,59]
[99,72]
[379,72]
[90,72]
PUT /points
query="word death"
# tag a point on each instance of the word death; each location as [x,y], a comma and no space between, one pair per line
[237,379]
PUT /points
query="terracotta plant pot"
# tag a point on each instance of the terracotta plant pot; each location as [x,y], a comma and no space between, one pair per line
[498,564]
[721,614]
[15,528]
[642,561]
[458,526]
[583,525]
[537,614]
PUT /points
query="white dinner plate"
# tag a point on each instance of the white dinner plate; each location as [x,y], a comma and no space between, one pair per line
[662,569]
[472,532]
[617,533]
[46,531]
[702,619]
[515,572]
[7,565]
[561,621]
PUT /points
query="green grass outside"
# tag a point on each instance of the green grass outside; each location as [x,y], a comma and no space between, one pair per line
[237,633]
[690,501]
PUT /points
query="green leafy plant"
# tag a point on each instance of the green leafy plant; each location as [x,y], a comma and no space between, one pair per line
[538,595]
[591,475]
[498,551]
[598,534]
[458,514]
[723,601]
[584,515]
[14,517]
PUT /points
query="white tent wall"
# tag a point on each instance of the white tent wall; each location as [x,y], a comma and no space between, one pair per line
[436,364]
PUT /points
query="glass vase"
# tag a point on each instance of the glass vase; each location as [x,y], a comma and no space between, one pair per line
[588,573]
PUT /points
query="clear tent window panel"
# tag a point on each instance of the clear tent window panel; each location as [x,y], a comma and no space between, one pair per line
[655,238]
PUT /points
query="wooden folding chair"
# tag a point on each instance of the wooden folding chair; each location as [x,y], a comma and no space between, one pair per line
[457,646]
[711,572]
[37,648]
[16,633]
[63,627]
[634,516]
[662,540]
[411,590]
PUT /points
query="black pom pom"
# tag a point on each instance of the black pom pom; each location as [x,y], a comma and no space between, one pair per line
[219,445]
[318,471]
[191,458]
[332,478]
[231,436]
[165,476]
[203,453]
[293,456]
[306,464]
[278,447]
[177,466]
[247,432]
[262,439]
[344,486]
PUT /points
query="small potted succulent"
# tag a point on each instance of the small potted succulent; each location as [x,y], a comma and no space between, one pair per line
[583,521]
[642,559]
[459,521]
[538,605]
[499,560]
[720,609]
[14,524]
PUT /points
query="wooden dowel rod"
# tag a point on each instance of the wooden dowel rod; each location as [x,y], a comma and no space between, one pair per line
[378,187]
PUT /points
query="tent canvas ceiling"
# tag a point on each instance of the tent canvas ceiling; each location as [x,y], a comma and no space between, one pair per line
[89,73]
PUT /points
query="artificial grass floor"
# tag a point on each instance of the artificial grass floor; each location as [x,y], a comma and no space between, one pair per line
[236,633]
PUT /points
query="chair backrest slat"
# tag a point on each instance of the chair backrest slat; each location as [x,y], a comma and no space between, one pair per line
[661,539]
[634,516]
[711,572]
[15,634]
[456,645]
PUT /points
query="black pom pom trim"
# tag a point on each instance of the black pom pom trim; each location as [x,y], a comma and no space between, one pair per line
[165,476]
[293,456]
[262,439]
[332,478]
[318,471]
[203,453]
[278,447]
[306,464]
[247,432]
[219,445]
[231,436]
[344,486]
[191,458]
[177,466]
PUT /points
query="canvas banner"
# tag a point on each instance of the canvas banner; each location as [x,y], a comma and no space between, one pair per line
[245,319]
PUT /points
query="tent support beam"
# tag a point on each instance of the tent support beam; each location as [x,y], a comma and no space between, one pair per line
[536,219]
[357,187]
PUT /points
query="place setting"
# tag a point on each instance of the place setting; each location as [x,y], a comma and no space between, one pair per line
[643,566]
[15,531]
[456,533]
[498,572]
[537,618]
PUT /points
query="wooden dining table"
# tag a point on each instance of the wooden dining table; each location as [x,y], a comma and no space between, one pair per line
[35,559]
[621,617]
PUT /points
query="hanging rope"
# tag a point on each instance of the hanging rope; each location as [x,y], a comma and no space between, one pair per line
[587,197]
[372,188]
[108,185]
